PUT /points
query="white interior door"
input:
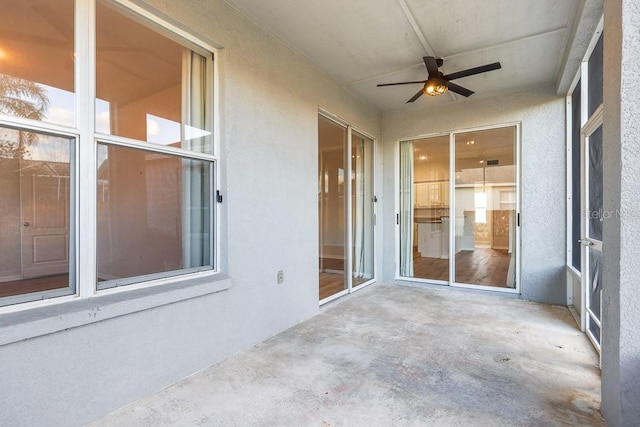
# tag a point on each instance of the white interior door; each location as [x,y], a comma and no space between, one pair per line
[45,223]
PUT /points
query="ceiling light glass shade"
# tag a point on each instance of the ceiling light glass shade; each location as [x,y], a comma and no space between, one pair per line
[435,87]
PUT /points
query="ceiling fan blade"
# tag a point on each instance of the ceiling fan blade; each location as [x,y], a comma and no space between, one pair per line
[402,83]
[472,71]
[432,66]
[460,90]
[416,96]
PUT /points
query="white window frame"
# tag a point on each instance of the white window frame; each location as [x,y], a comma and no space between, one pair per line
[83,264]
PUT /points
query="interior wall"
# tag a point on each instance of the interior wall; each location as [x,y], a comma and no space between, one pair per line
[269,99]
[543,215]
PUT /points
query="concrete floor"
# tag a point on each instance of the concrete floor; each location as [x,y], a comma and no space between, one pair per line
[393,355]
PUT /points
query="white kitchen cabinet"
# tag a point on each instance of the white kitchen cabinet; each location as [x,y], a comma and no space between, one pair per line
[431,194]
[421,191]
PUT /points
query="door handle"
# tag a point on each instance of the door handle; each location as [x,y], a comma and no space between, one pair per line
[26,224]
[585,242]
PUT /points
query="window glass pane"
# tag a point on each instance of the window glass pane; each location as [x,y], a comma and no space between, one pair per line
[37,60]
[154,214]
[575,178]
[332,144]
[35,214]
[596,77]
[424,218]
[150,87]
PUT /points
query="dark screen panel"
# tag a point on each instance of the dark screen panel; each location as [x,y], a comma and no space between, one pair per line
[595,77]
[575,177]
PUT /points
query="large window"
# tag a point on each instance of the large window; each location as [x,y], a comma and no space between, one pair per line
[124,196]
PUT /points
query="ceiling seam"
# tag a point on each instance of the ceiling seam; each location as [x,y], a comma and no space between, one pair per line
[507,43]
[416,28]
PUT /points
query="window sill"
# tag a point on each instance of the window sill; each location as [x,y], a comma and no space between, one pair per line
[38,321]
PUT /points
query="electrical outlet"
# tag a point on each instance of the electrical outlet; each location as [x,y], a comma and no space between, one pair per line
[280,277]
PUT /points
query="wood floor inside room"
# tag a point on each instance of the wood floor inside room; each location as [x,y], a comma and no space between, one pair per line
[482,266]
[38,284]
[332,283]
[332,279]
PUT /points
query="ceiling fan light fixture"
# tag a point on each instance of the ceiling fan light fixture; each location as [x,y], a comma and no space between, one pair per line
[435,87]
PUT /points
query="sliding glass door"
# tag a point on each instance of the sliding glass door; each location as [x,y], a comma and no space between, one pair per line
[424,208]
[458,208]
[346,203]
[485,207]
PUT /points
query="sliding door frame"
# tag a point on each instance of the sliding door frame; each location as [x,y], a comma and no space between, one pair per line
[348,229]
[518,226]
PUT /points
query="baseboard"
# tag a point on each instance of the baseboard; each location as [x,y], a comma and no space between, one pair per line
[10,278]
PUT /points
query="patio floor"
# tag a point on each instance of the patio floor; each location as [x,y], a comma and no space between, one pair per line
[397,355]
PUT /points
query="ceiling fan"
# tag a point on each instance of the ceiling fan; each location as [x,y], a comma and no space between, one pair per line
[438,83]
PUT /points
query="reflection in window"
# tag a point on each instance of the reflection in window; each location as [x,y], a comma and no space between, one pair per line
[37,61]
[35,215]
[154,214]
[162,131]
[156,89]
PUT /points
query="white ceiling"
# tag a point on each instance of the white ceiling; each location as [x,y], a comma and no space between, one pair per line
[361,43]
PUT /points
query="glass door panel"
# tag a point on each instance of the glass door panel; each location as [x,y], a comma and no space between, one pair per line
[485,207]
[424,210]
[332,145]
[362,208]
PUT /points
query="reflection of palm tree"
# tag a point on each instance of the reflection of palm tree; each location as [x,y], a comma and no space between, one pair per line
[21,98]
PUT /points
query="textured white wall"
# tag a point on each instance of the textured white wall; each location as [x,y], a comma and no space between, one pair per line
[621,234]
[270,98]
[542,115]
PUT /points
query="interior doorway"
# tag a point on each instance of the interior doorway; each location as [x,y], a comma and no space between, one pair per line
[346,207]
[458,214]
[45,221]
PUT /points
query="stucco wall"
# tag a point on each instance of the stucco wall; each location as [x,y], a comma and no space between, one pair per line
[621,233]
[542,115]
[269,102]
